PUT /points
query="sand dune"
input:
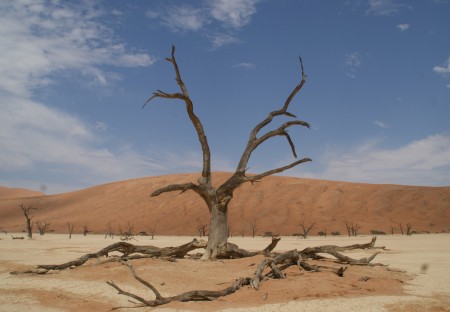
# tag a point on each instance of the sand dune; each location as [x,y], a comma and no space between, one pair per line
[275,204]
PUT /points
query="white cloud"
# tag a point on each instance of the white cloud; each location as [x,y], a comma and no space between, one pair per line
[386,7]
[443,70]
[229,15]
[353,62]
[38,41]
[183,18]
[403,27]
[234,13]
[380,124]
[422,162]
[245,65]
[41,37]
[222,39]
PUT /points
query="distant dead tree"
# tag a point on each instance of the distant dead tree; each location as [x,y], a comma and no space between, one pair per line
[110,230]
[324,231]
[400,226]
[43,227]
[254,228]
[352,228]
[305,227]
[70,226]
[153,230]
[27,213]
[392,229]
[85,230]
[408,229]
[202,229]
[242,230]
[355,229]
[348,227]
[217,199]
[129,231]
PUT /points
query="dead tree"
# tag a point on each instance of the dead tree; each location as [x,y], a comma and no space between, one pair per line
[153,230]
[348,227]
[27,213]
[392,229]
[400,226]
[202,229]
[355,229]
[408,229]
[242,230]
[85,230]
[217,199]
[352,228]
[129,231]
[43,227]
[254,228]
[305,227]
[110,230]
[70,226]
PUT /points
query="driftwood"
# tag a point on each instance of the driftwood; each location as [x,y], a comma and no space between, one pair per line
[128,251]
[232,251]
[276,264]
[131,252]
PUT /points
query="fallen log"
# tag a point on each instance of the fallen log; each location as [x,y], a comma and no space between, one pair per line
[128,251]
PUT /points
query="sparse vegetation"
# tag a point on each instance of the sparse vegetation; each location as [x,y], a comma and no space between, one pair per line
[377,232]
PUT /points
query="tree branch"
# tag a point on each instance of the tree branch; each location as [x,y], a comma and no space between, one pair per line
[277,170]
[254,141]
[176,187]
[184,96]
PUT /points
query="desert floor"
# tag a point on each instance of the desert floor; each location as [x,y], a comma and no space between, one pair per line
[424,287]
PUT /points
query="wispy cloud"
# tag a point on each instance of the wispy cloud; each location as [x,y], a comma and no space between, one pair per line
[229,15]
[403,27]
[233,13]
[38,41]
[386,7]
[380,124]
[421,162]
[40,38]
[245,65]
[353,62]
[180,18]
[443,69]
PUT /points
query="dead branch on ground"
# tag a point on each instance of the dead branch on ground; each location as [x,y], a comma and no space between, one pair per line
[276,265]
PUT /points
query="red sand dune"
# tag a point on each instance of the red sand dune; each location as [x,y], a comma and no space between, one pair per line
[275,204]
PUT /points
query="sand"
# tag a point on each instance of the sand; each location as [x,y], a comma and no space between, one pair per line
[424,287]
[276,204]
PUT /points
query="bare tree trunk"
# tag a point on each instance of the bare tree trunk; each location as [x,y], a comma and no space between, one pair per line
[218,231]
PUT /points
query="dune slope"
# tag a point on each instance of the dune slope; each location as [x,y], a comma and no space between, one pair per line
[275,204]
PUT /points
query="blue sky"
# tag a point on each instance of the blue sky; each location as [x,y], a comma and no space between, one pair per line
[74,75]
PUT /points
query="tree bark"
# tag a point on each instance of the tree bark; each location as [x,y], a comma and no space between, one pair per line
[218,231]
